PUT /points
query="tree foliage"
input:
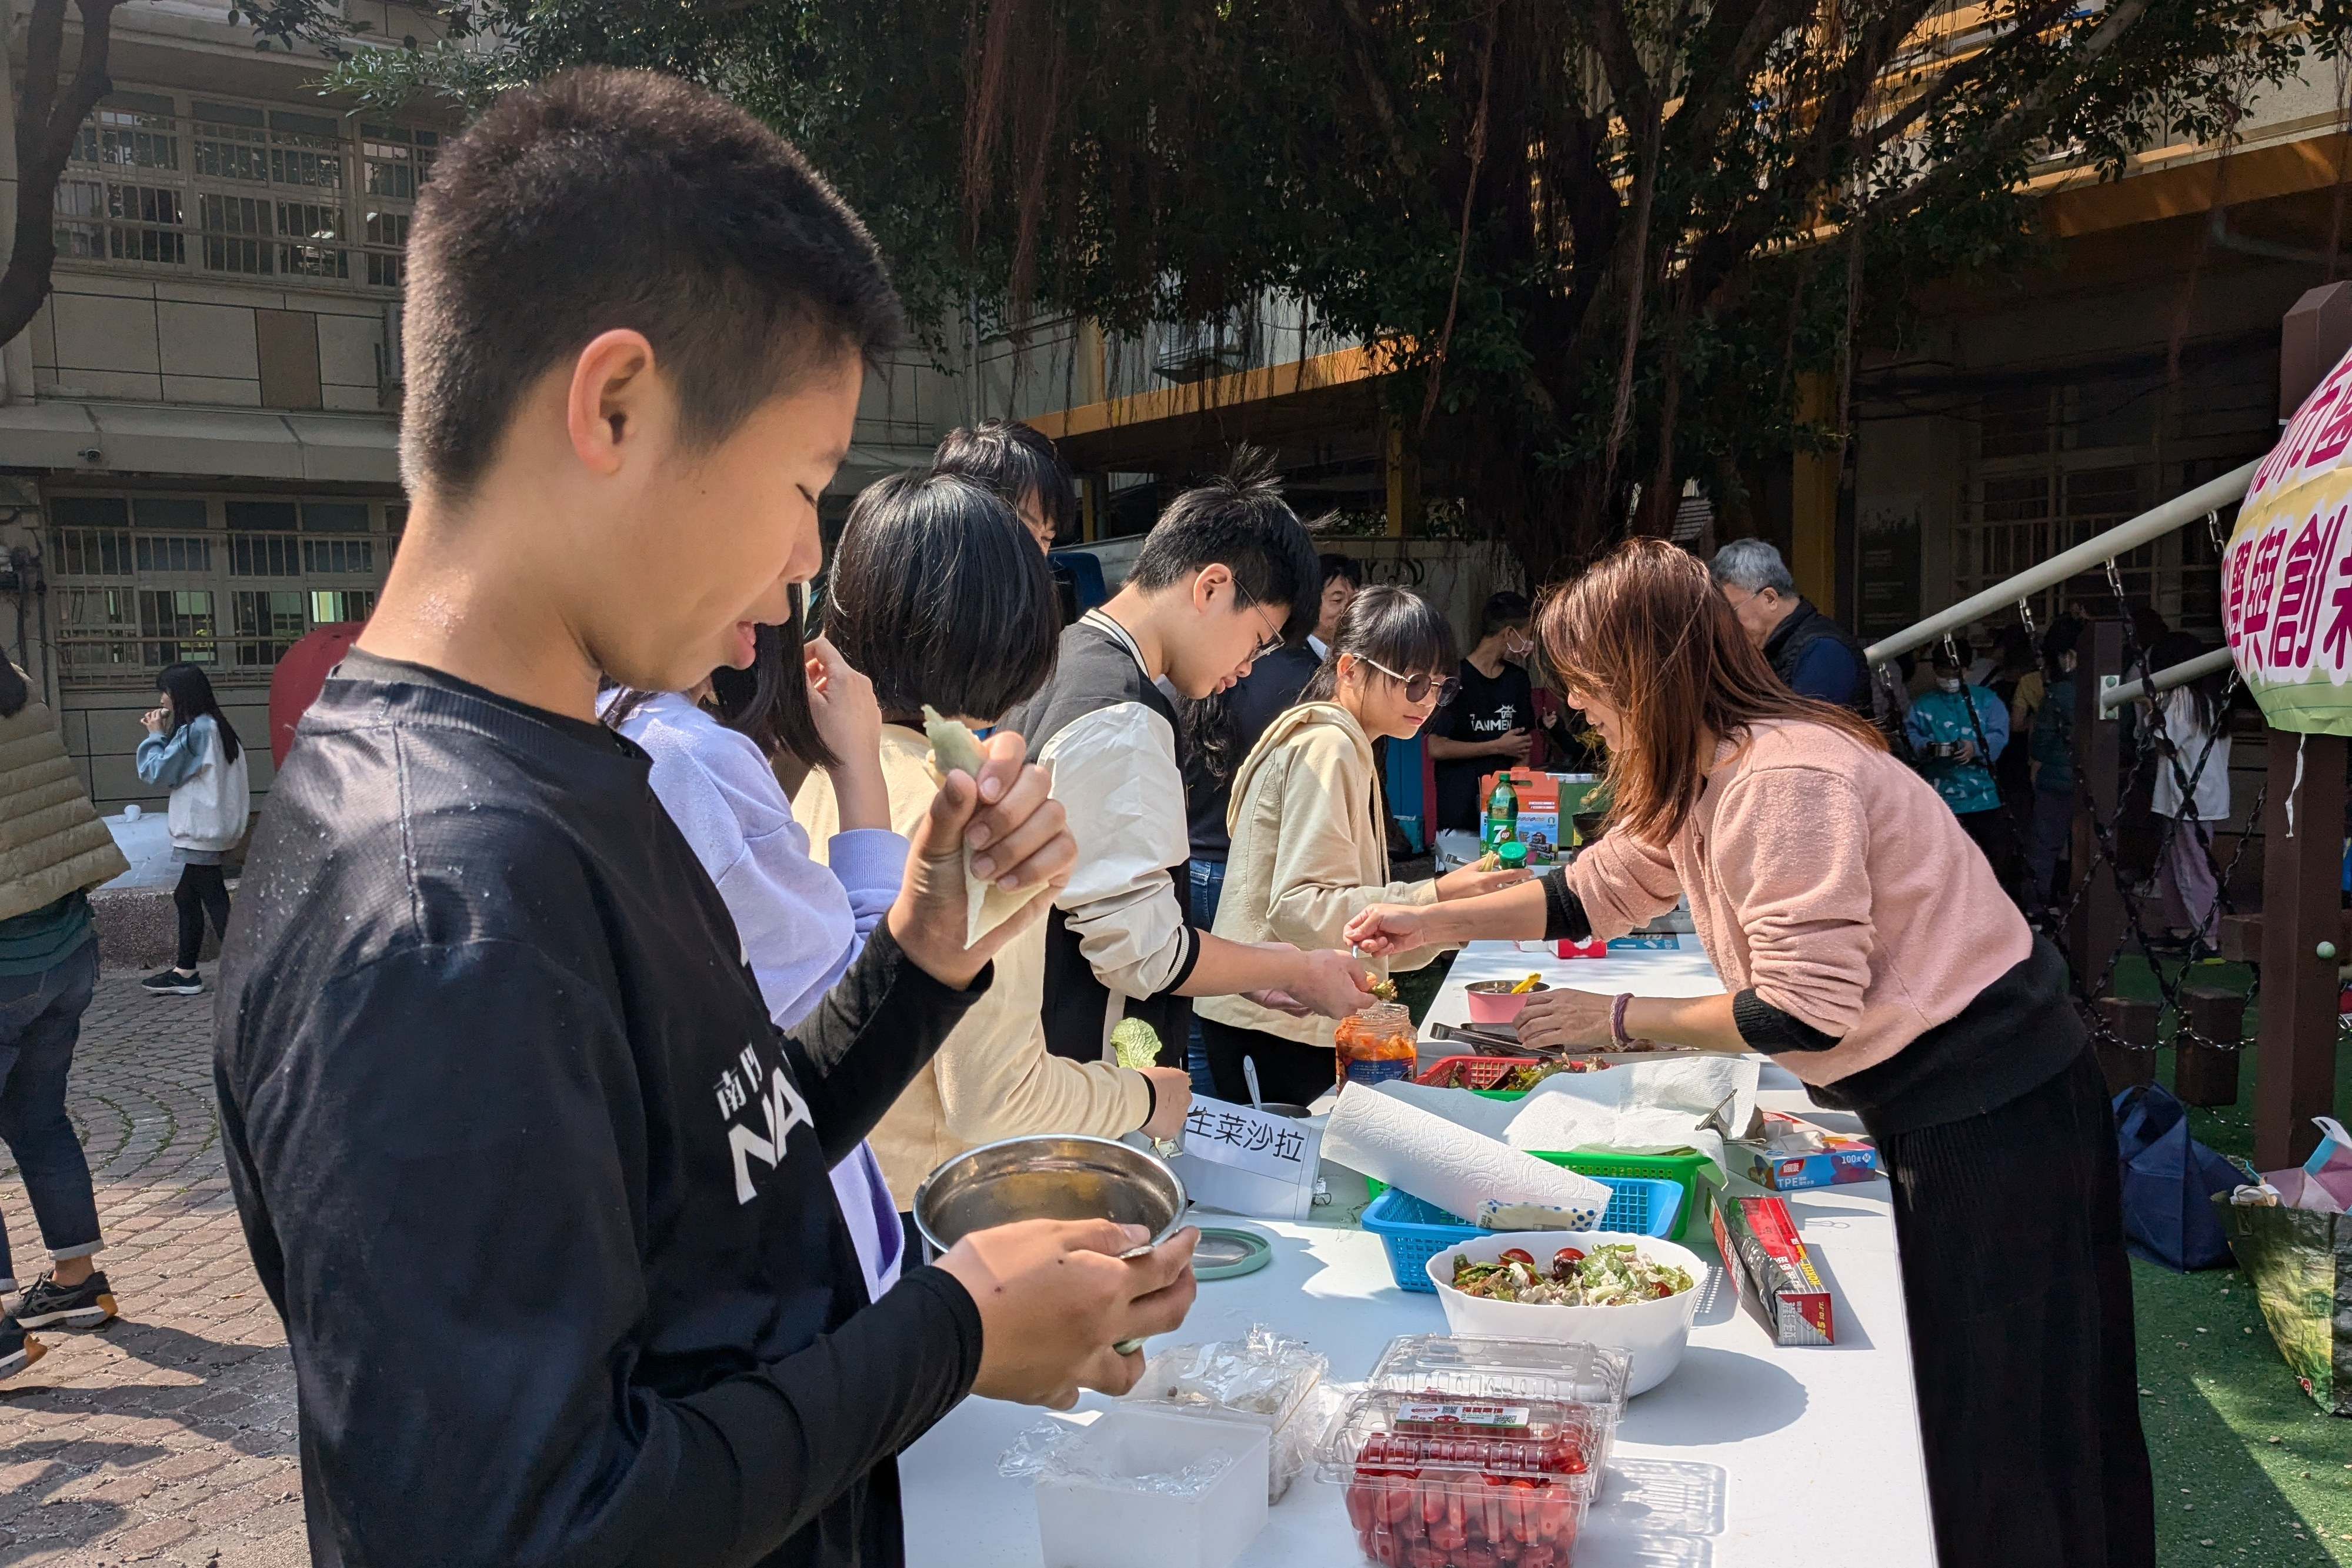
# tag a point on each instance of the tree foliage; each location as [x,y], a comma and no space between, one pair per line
[1605,244]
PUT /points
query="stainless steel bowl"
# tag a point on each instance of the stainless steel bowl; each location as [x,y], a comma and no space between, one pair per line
[1056,1176]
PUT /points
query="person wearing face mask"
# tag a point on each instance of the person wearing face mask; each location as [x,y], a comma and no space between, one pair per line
[1308,851]
[2050,754]
[1957,731]
[1491,724]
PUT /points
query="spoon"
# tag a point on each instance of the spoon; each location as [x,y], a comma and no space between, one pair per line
[1249,1076]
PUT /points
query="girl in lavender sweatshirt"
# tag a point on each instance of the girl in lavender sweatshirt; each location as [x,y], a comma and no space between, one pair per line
[714,753]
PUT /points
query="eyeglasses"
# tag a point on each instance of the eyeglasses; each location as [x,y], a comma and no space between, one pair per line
[1417,686]
[1273,636]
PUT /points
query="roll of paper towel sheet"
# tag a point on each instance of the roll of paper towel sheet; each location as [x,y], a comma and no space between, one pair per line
[1451,1166]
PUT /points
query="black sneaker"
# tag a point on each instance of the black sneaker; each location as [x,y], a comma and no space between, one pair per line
[171,983]
[18,1350]
[49,1304]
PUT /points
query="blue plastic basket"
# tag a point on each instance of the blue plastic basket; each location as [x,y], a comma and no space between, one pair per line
[1414,1232]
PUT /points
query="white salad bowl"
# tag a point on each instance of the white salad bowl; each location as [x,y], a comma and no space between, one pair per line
[1652,1332]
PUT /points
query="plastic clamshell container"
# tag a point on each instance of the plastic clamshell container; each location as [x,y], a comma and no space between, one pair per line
[1412,1231]
[1114,1517]
[1590,1375]
[1462,1483]
[1653,1333]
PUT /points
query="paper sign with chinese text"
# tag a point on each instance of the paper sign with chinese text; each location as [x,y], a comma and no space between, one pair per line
[1249,1162]
[2286,575]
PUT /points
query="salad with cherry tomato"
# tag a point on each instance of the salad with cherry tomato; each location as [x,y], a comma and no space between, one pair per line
[1613,1274]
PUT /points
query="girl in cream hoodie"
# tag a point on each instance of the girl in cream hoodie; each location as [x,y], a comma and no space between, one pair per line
[1310,837]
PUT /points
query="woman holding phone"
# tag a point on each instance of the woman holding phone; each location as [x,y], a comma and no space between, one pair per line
[1865,945]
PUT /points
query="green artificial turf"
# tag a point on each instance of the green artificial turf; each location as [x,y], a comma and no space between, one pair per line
[2249,1469]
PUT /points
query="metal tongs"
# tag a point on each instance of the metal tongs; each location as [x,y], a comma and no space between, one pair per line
[1495,1044]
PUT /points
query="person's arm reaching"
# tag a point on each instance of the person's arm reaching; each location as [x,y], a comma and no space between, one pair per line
[1622,882]
[1115,771]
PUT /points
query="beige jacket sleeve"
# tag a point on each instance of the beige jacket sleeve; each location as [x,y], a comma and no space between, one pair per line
[1115,773]
[1318,881]
[997,1079]
[1624,883]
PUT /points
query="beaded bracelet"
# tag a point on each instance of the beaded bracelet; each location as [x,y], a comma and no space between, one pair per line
[1617,1034]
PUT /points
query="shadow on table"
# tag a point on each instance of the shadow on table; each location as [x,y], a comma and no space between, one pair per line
[1715,1396]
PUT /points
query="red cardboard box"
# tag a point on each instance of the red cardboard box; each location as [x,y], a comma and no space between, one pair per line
[1774,1273]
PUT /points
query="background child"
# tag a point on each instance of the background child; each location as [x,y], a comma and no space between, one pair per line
[193,750]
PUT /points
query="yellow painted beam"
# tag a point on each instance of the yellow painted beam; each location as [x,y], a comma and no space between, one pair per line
[2280,168]
[1814,498]
[1334,369]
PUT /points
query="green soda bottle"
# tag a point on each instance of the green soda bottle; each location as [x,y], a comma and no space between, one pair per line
[1502,823]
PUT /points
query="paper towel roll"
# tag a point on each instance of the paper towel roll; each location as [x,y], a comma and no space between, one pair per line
[1442,1163]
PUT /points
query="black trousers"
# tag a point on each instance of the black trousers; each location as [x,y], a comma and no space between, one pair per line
[2020,1304]
[202,891]
[1288,1070]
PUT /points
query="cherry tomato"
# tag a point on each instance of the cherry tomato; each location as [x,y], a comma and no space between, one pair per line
[1566,1255]
[1518,1255]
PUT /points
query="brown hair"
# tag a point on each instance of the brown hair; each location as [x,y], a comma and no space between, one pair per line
[1644,630]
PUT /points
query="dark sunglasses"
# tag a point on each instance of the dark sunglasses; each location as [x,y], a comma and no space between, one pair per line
[1417,686]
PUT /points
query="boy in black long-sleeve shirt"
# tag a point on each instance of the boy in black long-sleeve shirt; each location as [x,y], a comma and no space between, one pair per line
[540,1192]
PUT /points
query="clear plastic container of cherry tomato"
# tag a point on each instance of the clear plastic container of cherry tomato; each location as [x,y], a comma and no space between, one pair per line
[1445,1482]
[1443,1366]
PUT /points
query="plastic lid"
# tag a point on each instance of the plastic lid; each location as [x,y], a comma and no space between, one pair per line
[1535,1440]
[1514,854]
[1478,1368]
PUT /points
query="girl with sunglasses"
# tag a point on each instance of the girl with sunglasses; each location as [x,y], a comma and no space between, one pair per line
[1309,845]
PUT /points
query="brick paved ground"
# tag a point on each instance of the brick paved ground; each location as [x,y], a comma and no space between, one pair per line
[169,1436]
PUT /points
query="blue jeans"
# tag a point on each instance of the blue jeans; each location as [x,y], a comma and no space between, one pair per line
[1208,891]
[40,1019]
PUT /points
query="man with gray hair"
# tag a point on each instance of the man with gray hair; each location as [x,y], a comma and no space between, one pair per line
[1812,653]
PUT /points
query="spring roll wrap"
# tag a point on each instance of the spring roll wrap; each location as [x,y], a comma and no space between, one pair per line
[987,906]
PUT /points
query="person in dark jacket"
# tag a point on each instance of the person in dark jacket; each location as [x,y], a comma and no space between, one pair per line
[537,1188]
[1813,656]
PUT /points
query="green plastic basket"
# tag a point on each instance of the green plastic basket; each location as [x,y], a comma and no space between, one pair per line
[1684,1170]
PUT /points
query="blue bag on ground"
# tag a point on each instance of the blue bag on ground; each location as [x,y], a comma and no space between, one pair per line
[2168,1182]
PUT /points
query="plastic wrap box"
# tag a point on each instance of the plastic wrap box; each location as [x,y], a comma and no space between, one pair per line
[1842,1159]
[1772,1270]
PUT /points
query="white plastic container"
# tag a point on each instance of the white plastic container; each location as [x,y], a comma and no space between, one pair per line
[1112,1499]
[1652,1332]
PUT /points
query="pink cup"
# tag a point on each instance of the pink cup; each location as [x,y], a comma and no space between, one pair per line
[1493,1001]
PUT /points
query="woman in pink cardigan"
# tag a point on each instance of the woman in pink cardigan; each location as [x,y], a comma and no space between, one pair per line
[1866,947]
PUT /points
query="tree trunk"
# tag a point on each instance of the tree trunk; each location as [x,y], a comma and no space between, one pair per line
[47,122]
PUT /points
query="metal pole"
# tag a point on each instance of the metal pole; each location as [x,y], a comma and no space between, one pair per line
[2165,679]
[2117,541]
[2098,924]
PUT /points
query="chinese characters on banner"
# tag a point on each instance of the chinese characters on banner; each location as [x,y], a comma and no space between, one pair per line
[2286,574]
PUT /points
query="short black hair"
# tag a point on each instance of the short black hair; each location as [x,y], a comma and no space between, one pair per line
[1504,610]
[601,199]
[1394,627]
[1015,461]
[1335,565]
[1238,521]
[939,595]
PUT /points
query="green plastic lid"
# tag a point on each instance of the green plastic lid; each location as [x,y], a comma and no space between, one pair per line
[1514,854]
[1228,1254]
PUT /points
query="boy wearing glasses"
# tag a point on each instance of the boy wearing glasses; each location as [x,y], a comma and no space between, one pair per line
[1225,574]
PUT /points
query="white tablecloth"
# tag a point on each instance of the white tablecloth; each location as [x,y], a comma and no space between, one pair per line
[1752,1453]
